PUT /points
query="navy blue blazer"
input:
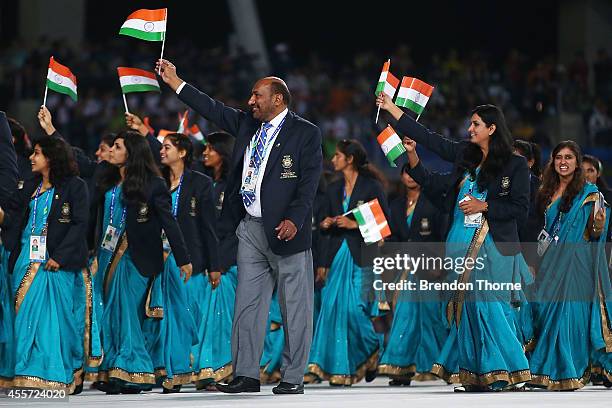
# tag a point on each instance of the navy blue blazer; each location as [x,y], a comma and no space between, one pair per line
[289,181]
[507,195]
[228,246]
[425,224]
[144,223]
[196,217]
[365,189]
[8,161]
[67,222]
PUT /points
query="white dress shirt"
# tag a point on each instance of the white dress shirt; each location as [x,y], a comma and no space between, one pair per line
[255,208]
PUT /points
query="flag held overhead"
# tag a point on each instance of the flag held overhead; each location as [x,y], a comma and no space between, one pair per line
[387,82]
[148,25]
[61,79]
[137,80]
[413,94]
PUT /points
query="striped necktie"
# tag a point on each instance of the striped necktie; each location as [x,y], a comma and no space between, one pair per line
[248,197]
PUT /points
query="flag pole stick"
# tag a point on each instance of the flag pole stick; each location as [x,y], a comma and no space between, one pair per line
[383,90]
[45,98]
[163,42]
[418,116]
[125,103]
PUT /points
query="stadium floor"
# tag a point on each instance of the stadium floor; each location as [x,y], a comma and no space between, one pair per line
[373,395]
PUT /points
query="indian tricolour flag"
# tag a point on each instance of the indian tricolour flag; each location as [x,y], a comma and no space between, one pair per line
[137,80]
[195,131]
[413,94]
[387,81]
[60,79]
[372,222]
[391,145]
[149,25]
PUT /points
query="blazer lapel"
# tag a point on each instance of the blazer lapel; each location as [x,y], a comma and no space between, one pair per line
[354,194]
[186,190]
[281,138]
[57,200]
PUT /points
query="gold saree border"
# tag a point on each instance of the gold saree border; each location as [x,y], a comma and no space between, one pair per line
[455,306]
[25,284]
[161,375]
[542,380]
[121,374]
[156,312]
[91,361]
[403,371]
[28,381]
[218,375]
[115,258]
[467,377]
[342,379]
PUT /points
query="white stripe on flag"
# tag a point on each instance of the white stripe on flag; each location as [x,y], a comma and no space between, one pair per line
[389,90]
[61,80]
[137,80]
[383,76]
[390,143]
[417,97]
[146,26]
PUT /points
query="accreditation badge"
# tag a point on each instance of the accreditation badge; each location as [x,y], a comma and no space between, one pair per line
[544,240]
[165,242]
[250,181]
[38,248]
[472,220]
[110,239]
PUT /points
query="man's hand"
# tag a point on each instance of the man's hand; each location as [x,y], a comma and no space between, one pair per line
[133,122]
[286,230]
[214,278]
[51,265]
[327,223]
[45,120]
[167,71]
[186,271]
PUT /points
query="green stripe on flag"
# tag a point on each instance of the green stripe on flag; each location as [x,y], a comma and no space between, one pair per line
[143,35]
[394,153]
[62,89]
[413,106]
[401,102]
[379,88]
[358,217]
[139,88]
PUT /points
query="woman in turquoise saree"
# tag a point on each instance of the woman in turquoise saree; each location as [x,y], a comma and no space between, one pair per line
[131,201]
[7,354]
[485,206]
[44,228]
[573,284]
[216,295]
[345,346]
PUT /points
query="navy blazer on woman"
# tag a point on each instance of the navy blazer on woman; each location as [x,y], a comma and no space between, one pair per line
[507,194]
[8,161]
[196,217]
[289,181]
[67,222]
[144,223]
[425,224]
[365,189]
[228,246]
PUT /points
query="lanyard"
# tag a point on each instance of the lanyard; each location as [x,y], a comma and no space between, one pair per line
[556,225]
[112,209]
[267,142]
[178,196]
[36,196]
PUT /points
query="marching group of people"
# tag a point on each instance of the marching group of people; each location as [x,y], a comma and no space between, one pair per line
[137,269]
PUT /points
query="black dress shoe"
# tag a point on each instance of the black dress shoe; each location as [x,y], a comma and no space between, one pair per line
[240,384]
[288,388]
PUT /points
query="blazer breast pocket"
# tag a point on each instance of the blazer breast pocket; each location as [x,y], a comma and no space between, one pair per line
[65,214]
[288,168]
[143,213]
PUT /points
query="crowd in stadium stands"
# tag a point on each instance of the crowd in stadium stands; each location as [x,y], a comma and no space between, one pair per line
[336,97]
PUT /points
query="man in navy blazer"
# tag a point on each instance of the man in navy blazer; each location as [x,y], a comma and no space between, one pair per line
[8,161]
[274,174]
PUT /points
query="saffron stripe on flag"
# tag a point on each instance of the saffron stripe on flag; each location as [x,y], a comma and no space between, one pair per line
[149,15]
[62,70]
[124,71]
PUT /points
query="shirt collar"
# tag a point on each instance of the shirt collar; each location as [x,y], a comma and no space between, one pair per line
[279,118]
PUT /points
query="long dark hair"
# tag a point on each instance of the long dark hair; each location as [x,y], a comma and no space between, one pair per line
[530,151]
[550,179]
[22,144]
[602,185]
[223,144]
[182,143]
[470,160]
[62,164]
[352,147]
[140,168]
[500,144]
